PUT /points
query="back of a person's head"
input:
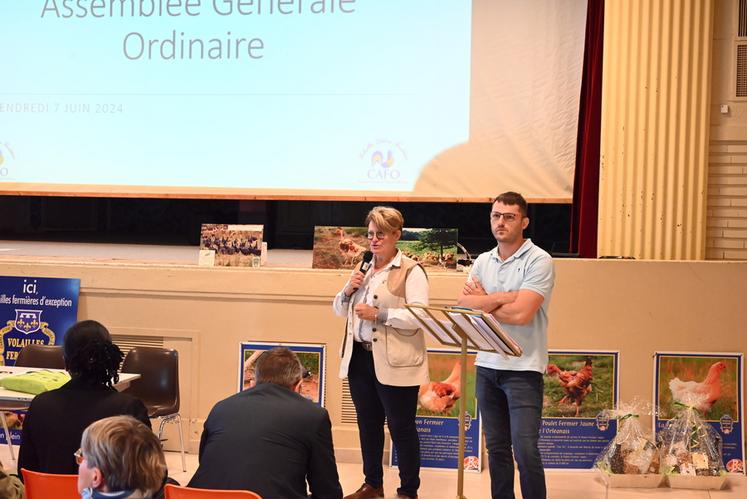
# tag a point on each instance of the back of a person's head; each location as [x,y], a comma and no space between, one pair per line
[128,454]
[279,366]
[90,354]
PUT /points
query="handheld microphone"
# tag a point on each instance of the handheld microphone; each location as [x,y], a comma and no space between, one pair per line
[366,263]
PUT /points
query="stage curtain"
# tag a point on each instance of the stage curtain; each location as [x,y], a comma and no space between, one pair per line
[586,177]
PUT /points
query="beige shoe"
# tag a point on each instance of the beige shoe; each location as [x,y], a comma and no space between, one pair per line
[367,492]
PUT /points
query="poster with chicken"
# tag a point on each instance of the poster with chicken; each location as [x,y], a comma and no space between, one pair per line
[224,245]
[437,418]
[579,385]
[712,384]
[311,355]
[343,247]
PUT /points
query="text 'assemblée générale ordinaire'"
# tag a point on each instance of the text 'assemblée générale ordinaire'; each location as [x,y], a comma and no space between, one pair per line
[178,44]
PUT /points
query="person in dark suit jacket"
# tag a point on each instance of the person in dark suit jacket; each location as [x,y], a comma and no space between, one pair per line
[269,439]
[56,419]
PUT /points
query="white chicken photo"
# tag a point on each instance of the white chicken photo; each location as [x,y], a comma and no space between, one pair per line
[707,383]
[440,397]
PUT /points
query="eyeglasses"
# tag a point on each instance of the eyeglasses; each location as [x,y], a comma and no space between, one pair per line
[78,456]
[378,235]
[508,217]
[306,374]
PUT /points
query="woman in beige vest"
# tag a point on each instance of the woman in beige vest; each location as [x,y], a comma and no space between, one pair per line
[383,353]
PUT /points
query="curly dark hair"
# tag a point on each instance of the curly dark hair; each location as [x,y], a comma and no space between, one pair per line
[90,354]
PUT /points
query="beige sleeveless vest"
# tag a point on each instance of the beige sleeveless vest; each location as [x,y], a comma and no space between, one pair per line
[400,357]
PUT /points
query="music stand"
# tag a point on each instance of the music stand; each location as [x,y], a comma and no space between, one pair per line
[465,328]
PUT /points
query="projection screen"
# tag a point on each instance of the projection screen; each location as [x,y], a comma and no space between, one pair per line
[449,100]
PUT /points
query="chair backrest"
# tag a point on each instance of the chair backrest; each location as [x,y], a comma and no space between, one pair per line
[47,485]
[49,356]
[175,492]
[158,386]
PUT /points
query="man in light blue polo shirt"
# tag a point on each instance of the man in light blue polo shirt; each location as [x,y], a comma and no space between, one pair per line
[513,282]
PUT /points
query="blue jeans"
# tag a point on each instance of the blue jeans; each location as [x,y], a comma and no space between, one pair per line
[511,409]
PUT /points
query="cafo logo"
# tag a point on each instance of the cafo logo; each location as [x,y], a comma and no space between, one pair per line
[381,159]
[6,158]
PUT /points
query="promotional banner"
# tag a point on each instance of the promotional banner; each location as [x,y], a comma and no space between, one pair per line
[579,385]
[437,418]
[312,357]
[33,310]
[715,381]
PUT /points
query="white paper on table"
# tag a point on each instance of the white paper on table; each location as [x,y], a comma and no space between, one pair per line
[206,258]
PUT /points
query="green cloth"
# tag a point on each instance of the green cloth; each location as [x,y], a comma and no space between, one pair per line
[35,382]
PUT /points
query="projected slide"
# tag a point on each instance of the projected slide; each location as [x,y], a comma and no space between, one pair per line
[331,95]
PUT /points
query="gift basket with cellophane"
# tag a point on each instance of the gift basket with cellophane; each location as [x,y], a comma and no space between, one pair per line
[691,454]
[631,459]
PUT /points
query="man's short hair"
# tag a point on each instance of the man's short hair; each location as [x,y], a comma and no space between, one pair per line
[127,452]
[511,198]
[279,366]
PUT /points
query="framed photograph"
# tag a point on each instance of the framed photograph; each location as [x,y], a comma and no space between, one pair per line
[338,247]
[712,383]
[225,245]
[343,247]
[437,417]
[432,248]
[312,357]
[579,386]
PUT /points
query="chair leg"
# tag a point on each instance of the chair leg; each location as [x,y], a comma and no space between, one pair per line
[173,418]
[7,436]
[162,423]
[178,420]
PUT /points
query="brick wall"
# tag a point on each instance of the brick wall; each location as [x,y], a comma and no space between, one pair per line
[726,237]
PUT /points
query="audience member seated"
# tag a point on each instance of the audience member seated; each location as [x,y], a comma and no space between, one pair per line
[119,457]
[269,439]
[10,485]
[56,419]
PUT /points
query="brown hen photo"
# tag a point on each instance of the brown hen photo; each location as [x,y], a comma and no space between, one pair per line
[578,385]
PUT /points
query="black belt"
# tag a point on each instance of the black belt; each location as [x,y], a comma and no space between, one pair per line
[365,345]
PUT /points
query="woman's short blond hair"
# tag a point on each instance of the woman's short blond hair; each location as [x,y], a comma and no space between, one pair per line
[127,452]
[385,218]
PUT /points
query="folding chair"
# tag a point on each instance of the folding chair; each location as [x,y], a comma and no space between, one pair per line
[175,492]
[48,485]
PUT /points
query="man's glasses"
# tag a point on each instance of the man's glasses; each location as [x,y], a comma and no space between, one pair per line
[78,456]
[377,235]
[508,217]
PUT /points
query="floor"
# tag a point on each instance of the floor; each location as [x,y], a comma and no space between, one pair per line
[440,484]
